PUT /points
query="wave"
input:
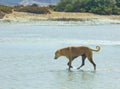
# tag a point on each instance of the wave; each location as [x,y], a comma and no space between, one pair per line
[63,23]
[59,41]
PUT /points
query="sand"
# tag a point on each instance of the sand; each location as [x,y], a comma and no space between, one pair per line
[16,16]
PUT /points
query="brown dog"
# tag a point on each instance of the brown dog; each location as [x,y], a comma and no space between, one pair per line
[73,52]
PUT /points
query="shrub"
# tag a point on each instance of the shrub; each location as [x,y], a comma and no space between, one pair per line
[118,3]
[62,5]
[6,9]
[103,7]
[68,8]
[52,7]
[116,11]
[33,9]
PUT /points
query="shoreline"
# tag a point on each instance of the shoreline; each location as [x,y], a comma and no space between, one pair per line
[62,16]
[16,16]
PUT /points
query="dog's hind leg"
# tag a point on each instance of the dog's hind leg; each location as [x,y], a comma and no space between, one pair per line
[91,60]
[83,61]
[93,64]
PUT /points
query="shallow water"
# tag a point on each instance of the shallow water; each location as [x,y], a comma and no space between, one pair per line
[27,52]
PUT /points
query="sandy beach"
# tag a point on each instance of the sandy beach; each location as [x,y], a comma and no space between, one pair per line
[18,16]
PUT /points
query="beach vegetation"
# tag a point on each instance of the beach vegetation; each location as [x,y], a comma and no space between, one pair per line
[5,10]
[69,8]
[118,3]
[103,7]
[33,9]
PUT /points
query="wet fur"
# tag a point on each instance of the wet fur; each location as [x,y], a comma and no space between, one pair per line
[73,52]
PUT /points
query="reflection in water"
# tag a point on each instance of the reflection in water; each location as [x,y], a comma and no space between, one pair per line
[73,79]
[87,75]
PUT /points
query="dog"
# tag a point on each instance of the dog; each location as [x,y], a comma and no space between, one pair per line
[73,52]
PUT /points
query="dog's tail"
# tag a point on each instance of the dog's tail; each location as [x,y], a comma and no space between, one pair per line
[97,49]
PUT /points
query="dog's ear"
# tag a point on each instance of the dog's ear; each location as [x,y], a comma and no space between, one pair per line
[57,52]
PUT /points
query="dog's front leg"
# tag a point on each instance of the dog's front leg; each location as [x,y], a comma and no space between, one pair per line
[70,63]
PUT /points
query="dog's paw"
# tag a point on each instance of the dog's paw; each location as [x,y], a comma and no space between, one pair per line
[78,68]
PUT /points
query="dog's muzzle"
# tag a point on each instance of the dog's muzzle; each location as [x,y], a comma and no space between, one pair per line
[55,57]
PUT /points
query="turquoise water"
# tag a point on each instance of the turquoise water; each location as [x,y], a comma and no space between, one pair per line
[27,57]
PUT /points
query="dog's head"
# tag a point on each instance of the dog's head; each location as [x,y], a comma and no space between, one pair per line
[57,54]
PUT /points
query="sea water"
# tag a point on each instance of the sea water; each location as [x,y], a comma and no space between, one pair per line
[27,57]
